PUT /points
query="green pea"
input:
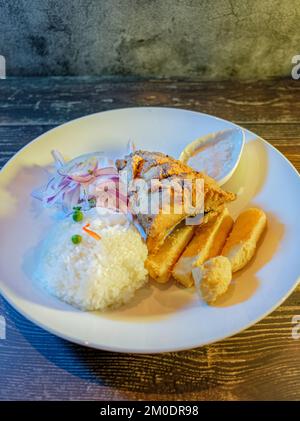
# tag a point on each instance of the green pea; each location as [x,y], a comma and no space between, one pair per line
[92,202]
[76,239]
[77,216]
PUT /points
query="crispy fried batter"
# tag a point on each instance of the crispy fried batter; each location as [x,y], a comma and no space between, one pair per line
[207,242]
[155,165]
[160,264]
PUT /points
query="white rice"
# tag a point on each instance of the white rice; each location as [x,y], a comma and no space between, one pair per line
[95,274]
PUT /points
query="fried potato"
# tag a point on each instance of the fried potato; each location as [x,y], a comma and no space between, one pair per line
[207,242]
[241,244]
[160,264]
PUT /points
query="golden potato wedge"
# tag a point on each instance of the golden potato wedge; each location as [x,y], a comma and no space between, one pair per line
[207,242]
[241,244]
[160,264]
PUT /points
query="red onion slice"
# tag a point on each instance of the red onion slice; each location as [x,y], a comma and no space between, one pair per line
[76,181]
[58,159]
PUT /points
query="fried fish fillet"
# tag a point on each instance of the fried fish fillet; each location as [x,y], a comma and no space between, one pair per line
[212,278]
[207,242]
[149,166]
[160,264]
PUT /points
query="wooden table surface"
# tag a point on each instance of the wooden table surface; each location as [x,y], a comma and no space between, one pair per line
[262,362]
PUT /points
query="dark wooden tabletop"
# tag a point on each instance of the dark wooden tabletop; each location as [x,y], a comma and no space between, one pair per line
[260,363]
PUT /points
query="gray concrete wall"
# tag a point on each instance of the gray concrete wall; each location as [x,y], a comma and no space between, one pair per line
[209,39]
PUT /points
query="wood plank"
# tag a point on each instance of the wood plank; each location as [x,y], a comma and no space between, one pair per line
[35,364]
[13,138]
[56,100]
[283,132]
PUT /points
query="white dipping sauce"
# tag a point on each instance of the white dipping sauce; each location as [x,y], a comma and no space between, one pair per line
[216,154]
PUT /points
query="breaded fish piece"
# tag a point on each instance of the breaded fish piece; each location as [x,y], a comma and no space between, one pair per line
[241,243]
[207,242]
[158,166]
[164,225]
[212,278]
[160,264]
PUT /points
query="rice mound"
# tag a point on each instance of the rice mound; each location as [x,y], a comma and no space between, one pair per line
[95,274]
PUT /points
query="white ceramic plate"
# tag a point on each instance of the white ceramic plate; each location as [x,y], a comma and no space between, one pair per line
[160,318]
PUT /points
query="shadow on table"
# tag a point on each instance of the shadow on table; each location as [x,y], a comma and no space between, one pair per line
[163,373]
